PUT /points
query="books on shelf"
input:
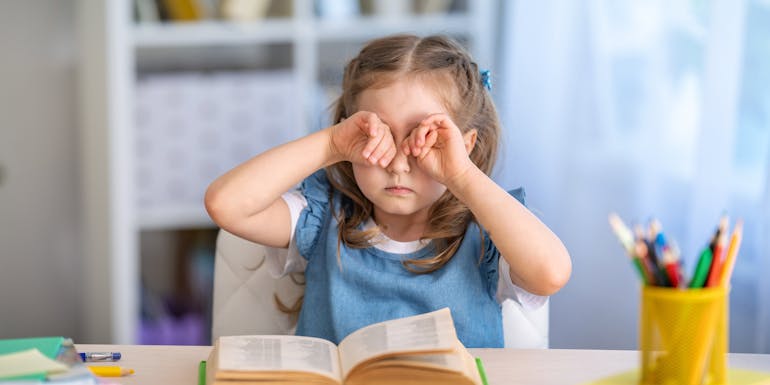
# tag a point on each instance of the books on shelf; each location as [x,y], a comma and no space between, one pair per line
[196,10]
[420,349]
[153,11]
[249,11]
[244,10]
[433,6]
[146,11]
[182,10]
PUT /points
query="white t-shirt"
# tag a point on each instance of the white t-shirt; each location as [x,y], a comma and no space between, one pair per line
[282,261]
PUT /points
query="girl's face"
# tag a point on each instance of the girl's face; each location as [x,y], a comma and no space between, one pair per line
[401,188]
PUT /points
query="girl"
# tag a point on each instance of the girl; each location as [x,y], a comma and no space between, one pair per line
[396,214]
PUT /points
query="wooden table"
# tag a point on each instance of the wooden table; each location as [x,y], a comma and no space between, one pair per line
[178,365]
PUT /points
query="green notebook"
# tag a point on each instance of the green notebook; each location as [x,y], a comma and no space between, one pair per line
[56,348]
[49,346]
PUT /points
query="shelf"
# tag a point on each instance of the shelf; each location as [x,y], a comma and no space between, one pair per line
[365,28]
[222,33]
[212,33]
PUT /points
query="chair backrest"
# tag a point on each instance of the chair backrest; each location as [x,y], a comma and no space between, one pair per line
[244,300]
[525,329]
[244,291]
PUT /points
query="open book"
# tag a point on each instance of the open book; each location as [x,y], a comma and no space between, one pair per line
[421,349]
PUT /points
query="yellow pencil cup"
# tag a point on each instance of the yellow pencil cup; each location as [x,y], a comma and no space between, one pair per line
[683,336]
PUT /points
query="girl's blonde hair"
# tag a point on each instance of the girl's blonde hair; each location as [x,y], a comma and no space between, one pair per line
[445,63]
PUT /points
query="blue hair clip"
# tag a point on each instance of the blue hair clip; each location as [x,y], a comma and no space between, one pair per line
[486,79]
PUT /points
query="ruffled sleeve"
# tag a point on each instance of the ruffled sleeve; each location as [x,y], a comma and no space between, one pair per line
[316,190]
[520,195]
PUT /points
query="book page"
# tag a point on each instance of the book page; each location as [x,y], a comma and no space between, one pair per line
[28,362]
[443,361]
[423,332]
[279,353]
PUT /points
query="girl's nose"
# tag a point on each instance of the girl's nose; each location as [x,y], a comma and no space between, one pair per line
[399,164]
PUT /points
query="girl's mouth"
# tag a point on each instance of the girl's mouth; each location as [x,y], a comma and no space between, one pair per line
[398,190]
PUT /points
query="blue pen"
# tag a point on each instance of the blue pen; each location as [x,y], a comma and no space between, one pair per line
[100,356]
[656,235]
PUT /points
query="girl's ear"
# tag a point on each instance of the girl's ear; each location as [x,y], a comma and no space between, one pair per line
[470,140]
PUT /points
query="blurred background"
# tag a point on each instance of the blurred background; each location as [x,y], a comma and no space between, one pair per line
[115,116]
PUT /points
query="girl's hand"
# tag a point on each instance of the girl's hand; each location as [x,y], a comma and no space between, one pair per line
[440,149]
[363,139]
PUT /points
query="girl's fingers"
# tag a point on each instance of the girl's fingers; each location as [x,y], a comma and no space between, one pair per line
[405,147]
[371,145]
[430,140]
[420,133]
[368,123]
[382,148]
[423,144]
[412,139]
[438,120]
[410,144]
[388,156]
[374,125]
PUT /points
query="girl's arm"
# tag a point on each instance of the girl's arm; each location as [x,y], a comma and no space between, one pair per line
[539,261]
[246,200]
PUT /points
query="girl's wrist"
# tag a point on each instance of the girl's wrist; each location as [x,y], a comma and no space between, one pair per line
[333,155]
[461,183]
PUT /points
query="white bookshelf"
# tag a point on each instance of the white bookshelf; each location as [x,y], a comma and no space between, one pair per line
[113,57]
[147,35]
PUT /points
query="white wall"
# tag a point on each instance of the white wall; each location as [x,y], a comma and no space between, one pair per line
[39,209]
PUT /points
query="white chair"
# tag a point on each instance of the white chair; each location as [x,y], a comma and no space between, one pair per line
[525,329]
[244,291]
[244,301]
